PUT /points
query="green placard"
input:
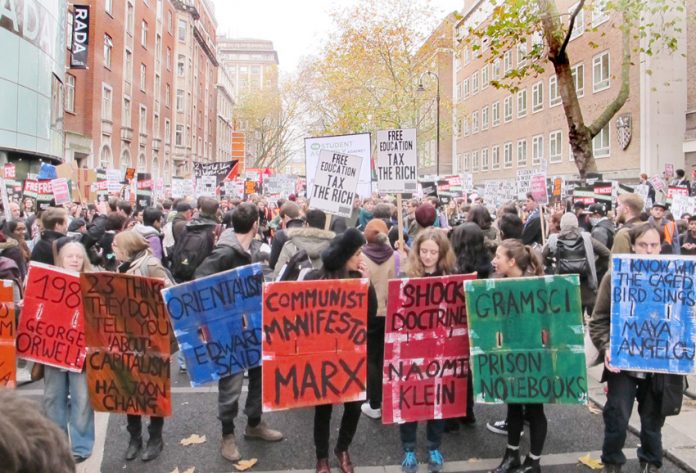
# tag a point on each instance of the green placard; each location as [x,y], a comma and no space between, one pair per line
[526,340]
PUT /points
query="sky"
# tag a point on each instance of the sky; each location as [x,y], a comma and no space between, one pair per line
[296,27]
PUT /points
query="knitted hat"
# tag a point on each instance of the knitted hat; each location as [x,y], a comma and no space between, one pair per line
[341,249]
[373,228]
[425,215]
[569,221]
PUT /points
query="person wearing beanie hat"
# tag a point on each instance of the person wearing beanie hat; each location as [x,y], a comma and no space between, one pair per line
[341,260]
[382,264]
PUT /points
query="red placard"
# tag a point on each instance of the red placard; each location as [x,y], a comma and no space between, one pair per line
[314,343]
[426,349]
[8,358]
[128,344]
[51,330]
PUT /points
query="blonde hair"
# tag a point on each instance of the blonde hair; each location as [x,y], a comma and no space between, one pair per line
[130,243]
[445,261]
[86,265]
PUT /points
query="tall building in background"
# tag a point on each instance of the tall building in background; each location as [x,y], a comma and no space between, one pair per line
[252,64]
[225,106]
[690,135]
[195,117]
[32,81]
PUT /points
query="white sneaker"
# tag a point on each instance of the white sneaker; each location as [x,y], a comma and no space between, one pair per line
[370,412]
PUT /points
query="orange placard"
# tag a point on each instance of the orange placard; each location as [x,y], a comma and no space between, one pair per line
[8,355]
[127,333]
[314,343]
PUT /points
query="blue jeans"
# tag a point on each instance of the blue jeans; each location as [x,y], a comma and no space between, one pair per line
[433,433]
[75,415]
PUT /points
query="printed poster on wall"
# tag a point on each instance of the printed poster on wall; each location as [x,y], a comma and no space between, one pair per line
[397,161]
[8,358]
[335,183]
[653,313]
[314,343]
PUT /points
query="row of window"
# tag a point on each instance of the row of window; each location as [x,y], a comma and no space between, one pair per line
[485,159]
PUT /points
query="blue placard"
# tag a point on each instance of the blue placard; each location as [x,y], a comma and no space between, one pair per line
[217,322]
[653,307]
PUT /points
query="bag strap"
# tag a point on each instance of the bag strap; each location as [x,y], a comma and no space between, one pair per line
[589,253]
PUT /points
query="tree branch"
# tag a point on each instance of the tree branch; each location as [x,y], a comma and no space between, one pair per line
[571,25]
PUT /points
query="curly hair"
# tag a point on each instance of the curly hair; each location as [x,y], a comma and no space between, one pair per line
[446,259]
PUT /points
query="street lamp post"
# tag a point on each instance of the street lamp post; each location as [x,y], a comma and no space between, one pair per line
[437,98]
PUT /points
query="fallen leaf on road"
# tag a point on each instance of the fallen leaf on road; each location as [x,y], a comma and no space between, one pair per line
[593,408]
[590,462]
[194,439]
[244,465]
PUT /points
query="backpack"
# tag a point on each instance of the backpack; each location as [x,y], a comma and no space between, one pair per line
[296,268]
[193,247]
[571,257]
[10,271]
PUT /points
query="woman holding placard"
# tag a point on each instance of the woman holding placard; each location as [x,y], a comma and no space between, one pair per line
[515,260]
[135,257]
[66,401]
[431,255]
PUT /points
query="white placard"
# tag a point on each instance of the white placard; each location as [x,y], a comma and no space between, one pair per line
[682,204]
[355,145]
[397,161]
[113,181]
[335,183]
[205,186]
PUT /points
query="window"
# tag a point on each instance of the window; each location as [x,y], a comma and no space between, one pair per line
[181,65]
[485,81]
[475,83]
[143,34]
[142,120]
[105,157]
[170,21]
[467,90]
[537,150]
[126,112]
[555,146]
[554,97]
[106,102]
[108,6]
[496,69]
[475,161]
[474,122]
[458,96]
[600,72]
[459,127]
[458,62]
[167,95]
[465,163]
[179,138]
[521,103]
[507,61]
[537,97]
[484,159]
[167,131]
[467,126]
[129,65]
[130,23]
[521,54]
[579,25]
[108,46]
[507,109]
[156,124]
[495,157]
[179,100]
[169,58]
[143,77]
[599,12]
[600,143]
[507,155]
[181,32]
[69,93]
[484,118]
[495,111]
[521,153]
[467,55]
[578,72]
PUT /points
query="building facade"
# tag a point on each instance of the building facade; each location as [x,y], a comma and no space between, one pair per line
[499,133]
[225,106]
[32,78]
[690,134]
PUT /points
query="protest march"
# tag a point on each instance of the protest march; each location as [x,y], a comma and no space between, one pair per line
[418,302]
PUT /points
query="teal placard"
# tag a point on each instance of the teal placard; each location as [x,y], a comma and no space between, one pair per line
[526,340]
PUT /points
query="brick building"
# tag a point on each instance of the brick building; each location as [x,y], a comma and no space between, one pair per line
[690,135]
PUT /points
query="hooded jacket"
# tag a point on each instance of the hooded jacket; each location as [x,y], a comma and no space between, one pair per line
[43,250]
[9,248]
[312,240]
[228,254]
[153,237]
[381,262]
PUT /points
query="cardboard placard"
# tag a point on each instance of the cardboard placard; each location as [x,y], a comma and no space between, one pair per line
[537,186]
[217,322]
[52,330]
[653,320]
[677,190]
[526,340]
[426,349]
[61,191]
[314,343]
[205,186]
[335,183]
[128,334]
[397,162]
[8,358]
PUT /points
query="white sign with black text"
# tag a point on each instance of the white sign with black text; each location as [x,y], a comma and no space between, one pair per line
[335,183]
[397,161]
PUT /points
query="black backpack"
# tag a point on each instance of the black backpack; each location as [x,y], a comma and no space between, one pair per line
[296,268]
[571,257]
[193,247]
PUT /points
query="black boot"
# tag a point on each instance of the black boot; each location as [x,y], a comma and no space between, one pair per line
[153,448]
[134,446]
[511,460]
[529,466]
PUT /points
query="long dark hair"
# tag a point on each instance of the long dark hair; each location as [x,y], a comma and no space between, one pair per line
[472,256]
[480,216]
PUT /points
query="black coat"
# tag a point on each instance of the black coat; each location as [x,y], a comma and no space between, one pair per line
[43,250]
[228,254]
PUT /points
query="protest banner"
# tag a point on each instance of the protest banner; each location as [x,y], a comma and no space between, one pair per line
[677,190]
[221,170]
[205,186]
[52,330]
[10,171]
[127,334]
[443,191]
[143,193]
[113,181]
[585,195]
[669,170]
[358,144]
[397,162]
[682,204]
[526,340]
[40,192]
[335,183]
[8,358]
[426,350]
[653,315]
[537,186]
[61,191]
[603,192]
[279,184]
[314,343]
[217,322]
[428,188]
[658,183]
